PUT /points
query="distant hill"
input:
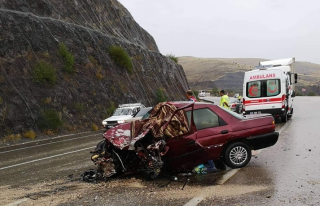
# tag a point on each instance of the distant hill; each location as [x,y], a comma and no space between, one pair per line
[227,73]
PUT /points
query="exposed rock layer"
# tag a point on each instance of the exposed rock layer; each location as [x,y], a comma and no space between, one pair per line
[30,31]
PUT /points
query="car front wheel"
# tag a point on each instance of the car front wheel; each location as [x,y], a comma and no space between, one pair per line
[237,155]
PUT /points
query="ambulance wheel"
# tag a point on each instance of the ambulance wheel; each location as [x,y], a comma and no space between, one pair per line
[284,118]
[291,113]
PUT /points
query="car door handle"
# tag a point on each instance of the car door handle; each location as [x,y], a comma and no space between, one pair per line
[191,142]
[224,132]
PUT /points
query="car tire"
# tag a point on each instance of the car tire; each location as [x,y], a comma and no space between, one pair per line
[291,113]
[237,155]
[284,118]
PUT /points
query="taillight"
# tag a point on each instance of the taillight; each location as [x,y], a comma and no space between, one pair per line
[233,105]
[283,101]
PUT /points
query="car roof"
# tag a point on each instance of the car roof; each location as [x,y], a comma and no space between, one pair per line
[185,103]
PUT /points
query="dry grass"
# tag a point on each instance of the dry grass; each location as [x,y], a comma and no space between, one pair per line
[94,127]
[12,138]
[47,100]
[99,74]
[29,134]
[48,132]
[212,69]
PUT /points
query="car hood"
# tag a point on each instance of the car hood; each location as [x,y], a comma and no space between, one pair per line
[119,136]
[120,117]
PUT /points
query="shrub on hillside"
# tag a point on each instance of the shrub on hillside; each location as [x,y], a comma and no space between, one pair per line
[173,57]
[111,109]
[50,120]
[121,57]
[44,72]
[67,58]
[79,107]
[29,134]
[94,127]
[12,138]
[160,95]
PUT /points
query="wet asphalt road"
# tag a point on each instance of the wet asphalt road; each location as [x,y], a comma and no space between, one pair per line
[47,160]
[284,174]
[287,173]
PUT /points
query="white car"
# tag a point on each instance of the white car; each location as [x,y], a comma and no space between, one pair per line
[122,114]
[201,93]
[140,114]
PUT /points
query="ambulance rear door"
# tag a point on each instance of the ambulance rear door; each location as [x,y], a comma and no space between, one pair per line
[262,92]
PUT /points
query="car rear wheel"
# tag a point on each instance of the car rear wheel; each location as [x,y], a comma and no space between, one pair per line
[237,155]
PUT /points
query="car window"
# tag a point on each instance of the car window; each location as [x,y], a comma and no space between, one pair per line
[254,89]
[126,111]
[145,116]
[273,88]
[236,115]
[117,112]
[263,88]
[203,118]
[142,112]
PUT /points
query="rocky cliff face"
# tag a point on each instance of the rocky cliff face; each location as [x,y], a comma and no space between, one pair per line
[30,35]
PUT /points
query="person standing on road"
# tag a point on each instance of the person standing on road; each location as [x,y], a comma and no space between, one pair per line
[224,101]
[239,98]
[190,96]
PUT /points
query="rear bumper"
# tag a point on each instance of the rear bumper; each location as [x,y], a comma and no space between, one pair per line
[274,112]
[263,141]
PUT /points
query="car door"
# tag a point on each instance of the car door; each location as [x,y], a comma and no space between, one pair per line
[184,151]
[212,131]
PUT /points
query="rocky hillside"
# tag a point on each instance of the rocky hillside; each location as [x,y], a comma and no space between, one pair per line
[57,72]
[224,73]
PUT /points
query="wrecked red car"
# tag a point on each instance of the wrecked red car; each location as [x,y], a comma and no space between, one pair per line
[180,135]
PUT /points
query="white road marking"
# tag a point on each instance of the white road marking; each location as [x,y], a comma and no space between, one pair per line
[227,176]
[56,137]
[196,200]
[45,158]
[18,202]
[47,143]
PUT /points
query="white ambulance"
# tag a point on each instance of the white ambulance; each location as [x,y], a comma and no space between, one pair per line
[270,89]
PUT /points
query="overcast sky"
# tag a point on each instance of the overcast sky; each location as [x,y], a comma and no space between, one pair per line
[270,29]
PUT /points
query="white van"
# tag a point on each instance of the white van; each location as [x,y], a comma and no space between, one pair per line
[270,89]
[201,93]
